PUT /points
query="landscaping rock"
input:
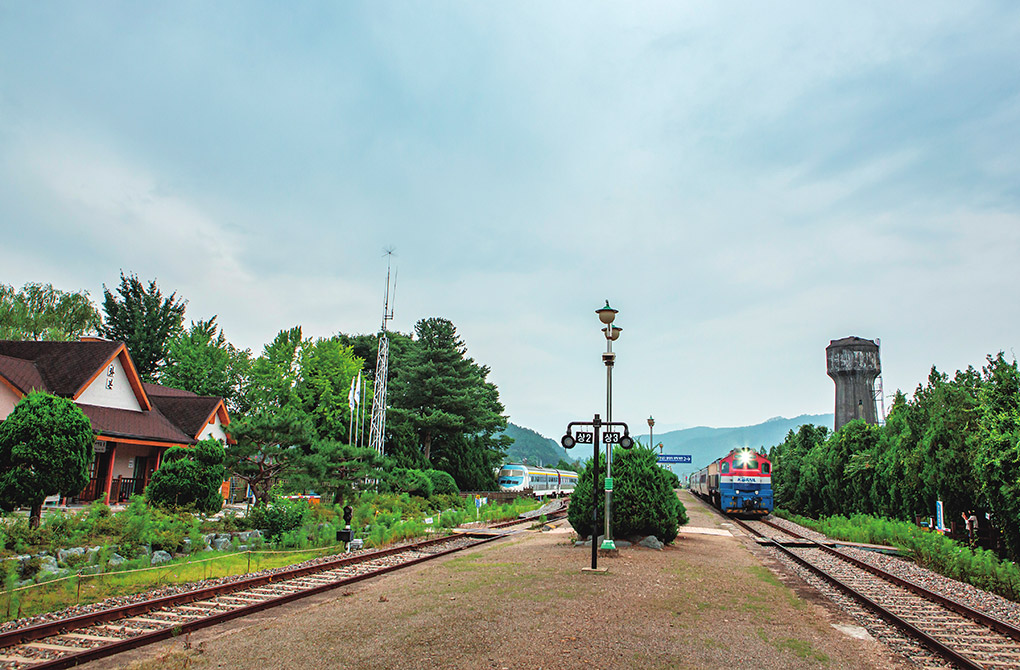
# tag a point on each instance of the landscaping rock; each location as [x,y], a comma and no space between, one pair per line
[651,542]
[160,557]
[209,537]
[63,554]
[92,555]
[90,570]
[622,543]
[116,559]
[221,544]
[47,564]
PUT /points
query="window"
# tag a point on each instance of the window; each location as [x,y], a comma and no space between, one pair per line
[765,468]
[725,468]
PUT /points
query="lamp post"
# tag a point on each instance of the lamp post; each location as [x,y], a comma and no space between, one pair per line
[606,315]
[651,438]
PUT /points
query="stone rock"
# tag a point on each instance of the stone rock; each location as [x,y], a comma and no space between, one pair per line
[90,570]
[622,543]
[186,546]
[651,542]
[92,555]
[209,537]
[116,559]
[221,543]
[63,554]
[48,564]
[160,557]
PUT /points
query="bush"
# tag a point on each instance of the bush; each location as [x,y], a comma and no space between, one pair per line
[278,517]
[412,482]
[442,482]
[189,478]
[644,502]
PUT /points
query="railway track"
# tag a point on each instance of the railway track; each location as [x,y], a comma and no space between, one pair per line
[69,642]
[953,631]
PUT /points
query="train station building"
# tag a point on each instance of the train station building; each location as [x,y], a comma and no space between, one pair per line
[134,422]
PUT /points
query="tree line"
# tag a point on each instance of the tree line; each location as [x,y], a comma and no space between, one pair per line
[956,440]
[289,404]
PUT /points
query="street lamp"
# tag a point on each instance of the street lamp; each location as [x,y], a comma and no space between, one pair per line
[607,315]
[651,439]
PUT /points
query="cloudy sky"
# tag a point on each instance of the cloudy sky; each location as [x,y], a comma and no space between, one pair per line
[744,181]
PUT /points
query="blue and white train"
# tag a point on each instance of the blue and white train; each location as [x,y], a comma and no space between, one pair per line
[542,481]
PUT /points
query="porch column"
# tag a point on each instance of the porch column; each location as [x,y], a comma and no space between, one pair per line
[108,484]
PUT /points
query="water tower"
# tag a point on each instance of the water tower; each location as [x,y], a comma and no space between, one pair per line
[853,363]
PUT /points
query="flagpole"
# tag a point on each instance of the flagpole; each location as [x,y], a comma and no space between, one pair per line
[350,406]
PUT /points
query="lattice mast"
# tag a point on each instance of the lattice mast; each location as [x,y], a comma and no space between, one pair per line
[382,363]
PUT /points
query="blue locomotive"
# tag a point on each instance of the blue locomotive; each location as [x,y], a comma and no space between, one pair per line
[740,483]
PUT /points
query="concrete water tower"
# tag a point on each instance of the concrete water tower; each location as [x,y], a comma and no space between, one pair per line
[853,363]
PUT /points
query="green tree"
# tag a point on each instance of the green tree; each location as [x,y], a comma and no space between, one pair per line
[274,435]
[189,478]
[45,449]
[269,447]
[201,360]
[443,395]
[143,319]
[997,463]
[327,369]
[338,469]
[41,312]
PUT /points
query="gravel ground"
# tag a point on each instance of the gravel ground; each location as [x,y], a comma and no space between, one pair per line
[524,602]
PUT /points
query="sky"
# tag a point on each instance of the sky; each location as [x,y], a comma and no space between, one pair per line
[743,181]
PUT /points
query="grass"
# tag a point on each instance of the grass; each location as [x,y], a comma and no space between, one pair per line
[979,567]
[86,589]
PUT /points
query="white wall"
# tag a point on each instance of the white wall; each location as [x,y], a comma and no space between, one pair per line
[111,390]
[214,429]
[8,399]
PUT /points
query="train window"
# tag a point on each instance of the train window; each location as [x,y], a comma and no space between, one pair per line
[765,468]
[725,467]
[753,465]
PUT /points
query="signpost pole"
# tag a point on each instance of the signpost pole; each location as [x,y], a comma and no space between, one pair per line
[595,505]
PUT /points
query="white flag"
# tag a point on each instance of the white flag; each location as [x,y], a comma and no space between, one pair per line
[350,396]
[357,392]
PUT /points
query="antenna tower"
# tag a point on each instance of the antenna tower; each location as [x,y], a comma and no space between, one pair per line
[382,364]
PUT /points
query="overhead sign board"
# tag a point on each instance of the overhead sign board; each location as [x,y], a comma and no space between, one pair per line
[673,458]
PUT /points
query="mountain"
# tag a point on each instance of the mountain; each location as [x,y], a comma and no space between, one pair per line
[704,444]
[536,449]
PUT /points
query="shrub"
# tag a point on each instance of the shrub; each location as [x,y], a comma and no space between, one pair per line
[278,517]
[412,482]
[442,482]
[189,478]
[644,502]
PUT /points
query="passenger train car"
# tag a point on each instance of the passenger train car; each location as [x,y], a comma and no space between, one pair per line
[740,483]
[543,481]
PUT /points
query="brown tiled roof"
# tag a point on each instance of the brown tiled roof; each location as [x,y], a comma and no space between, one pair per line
[22,374]
[63,367]
[126,423]
[152,390]
[189,413]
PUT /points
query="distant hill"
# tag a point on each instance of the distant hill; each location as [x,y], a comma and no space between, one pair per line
[704,445]
[530,445]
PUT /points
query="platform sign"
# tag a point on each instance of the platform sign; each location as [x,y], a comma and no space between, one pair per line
[584,437]
[610,437]
[609,483]
[673,458]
